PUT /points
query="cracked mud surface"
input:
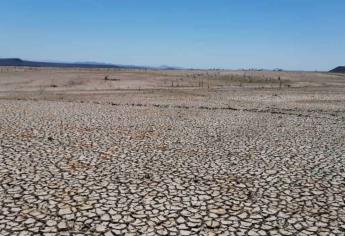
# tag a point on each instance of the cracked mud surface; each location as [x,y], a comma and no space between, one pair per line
[100,169]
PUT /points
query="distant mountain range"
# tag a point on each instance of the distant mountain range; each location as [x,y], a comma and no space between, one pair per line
[339,69]
[19,62]
[25,63]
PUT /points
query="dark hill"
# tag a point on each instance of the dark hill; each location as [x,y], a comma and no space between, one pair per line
[339,69]
[11,62]
[19,62]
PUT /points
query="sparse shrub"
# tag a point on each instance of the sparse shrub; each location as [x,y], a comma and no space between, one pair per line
[41,90]
[280,82]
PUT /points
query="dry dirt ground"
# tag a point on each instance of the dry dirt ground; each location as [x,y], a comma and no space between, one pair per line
[171,152]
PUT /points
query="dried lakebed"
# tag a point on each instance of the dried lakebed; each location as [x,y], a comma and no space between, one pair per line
[70,168]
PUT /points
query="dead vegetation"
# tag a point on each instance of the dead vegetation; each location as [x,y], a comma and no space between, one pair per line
[212,80]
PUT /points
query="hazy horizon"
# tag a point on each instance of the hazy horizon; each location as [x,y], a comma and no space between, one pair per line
[292,35]
[158,66]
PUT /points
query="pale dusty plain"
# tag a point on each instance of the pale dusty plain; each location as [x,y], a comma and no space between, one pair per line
[158,152]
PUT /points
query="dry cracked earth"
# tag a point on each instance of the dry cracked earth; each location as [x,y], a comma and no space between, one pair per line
[70,168]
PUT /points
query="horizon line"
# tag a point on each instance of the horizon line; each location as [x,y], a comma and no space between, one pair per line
[95,63]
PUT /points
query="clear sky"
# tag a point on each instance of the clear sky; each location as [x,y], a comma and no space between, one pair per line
[288,34]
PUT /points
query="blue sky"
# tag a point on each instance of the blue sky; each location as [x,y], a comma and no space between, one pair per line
[289,34]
